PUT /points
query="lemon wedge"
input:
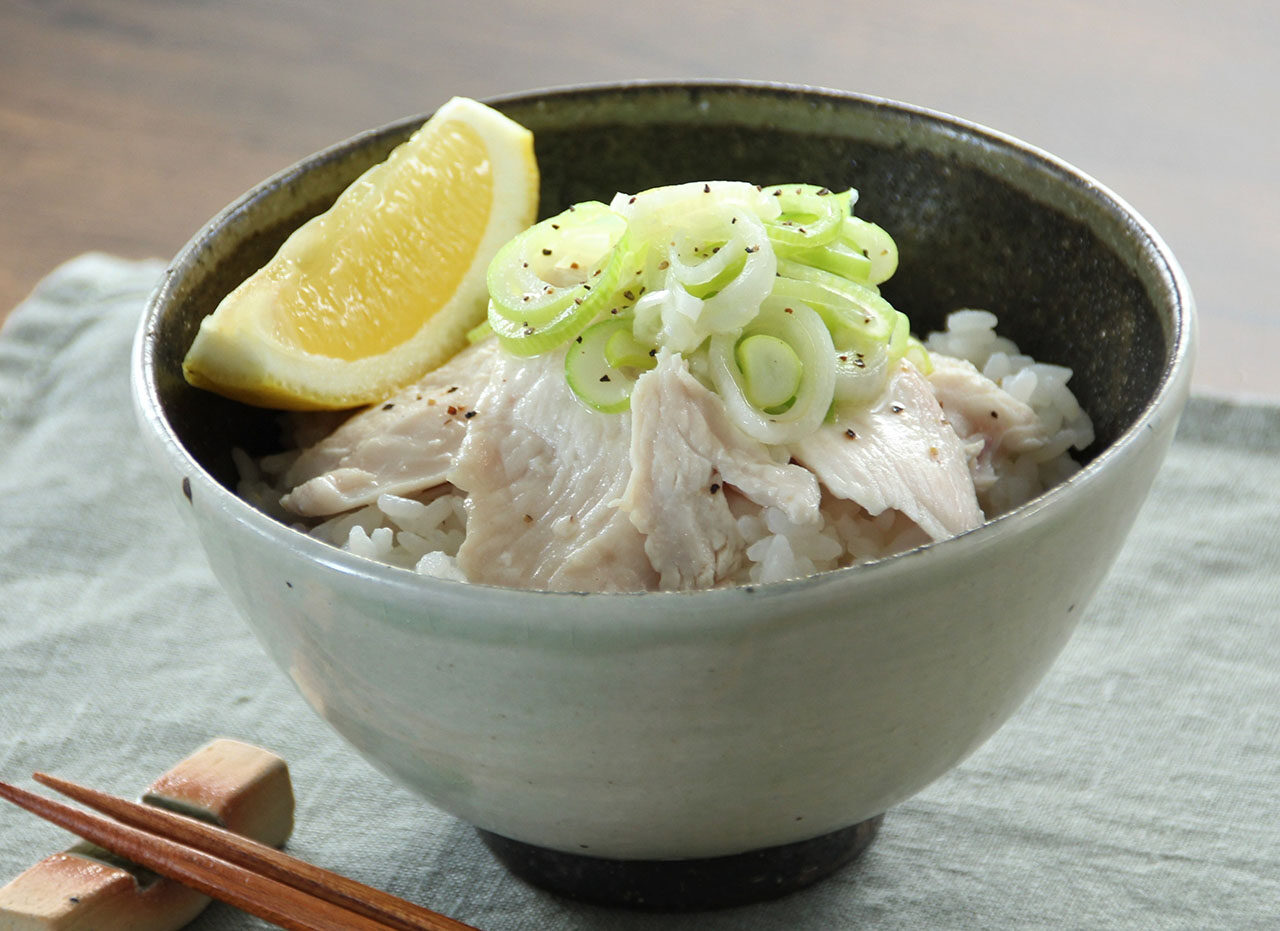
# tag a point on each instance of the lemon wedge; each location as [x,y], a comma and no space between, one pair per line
[383,286]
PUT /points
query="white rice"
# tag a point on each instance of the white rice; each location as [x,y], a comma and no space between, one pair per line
[424,533]
[971,335]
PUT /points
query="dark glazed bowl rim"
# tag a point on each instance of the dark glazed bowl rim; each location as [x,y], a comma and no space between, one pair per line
[1156,267]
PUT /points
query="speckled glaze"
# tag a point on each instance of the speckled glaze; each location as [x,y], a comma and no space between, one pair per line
[673,726]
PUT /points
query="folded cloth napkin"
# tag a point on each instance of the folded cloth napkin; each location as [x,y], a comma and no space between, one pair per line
[1137,788]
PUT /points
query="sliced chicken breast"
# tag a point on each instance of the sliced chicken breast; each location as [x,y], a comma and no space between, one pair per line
[402,446]
[684,450]
[544,474]
[992,423]
[899,453]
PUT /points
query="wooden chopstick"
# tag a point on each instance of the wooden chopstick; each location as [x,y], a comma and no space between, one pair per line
[210,866]
[260,858]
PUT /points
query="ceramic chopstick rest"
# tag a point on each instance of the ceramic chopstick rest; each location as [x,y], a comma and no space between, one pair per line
[235,785]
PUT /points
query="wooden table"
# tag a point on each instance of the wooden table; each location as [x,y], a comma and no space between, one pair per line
[125,124]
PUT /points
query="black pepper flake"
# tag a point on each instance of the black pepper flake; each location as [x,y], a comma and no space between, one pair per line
[778,192]
[451,409]
[652,353]
[555,226]
[546,251]
[753,248]
[452,389]
[850,434]
[897,408]
[663,264]
[860,362]
[528,518]
[995,415]
[573,264]
[578,339]
[823,192]
[469,414]
[788,310]
[706,189]
[631,201]
[604,377]
[715,486]
[388,406]
[733,219]
[844,358]
[527,331]
[628,295]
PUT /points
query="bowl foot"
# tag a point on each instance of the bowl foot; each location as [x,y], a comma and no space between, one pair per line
[684,885]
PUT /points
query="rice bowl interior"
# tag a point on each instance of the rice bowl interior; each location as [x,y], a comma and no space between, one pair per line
[953,222]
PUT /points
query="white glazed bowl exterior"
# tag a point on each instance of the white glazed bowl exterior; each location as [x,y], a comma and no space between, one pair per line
[665,725]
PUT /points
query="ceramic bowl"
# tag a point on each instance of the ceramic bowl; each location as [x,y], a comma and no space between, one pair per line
[609,736]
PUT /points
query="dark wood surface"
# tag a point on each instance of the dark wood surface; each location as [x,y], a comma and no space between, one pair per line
[125,124]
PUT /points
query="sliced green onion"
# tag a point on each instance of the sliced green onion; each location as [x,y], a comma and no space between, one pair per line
[873,242]
[856,314]
[861,375]
[592,377]
[804,332]
[653,212]
[739,300]
[727,271]
[769,294]
[901,333]
[771,371]
[570,259]
[552,280]
[622,349]
[918,356]
[810,215]
[837,257]
[525,340]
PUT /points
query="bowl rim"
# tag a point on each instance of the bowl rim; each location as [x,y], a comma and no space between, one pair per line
[1171,391]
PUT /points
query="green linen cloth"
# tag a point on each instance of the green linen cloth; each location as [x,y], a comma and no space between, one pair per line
[1139,786]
